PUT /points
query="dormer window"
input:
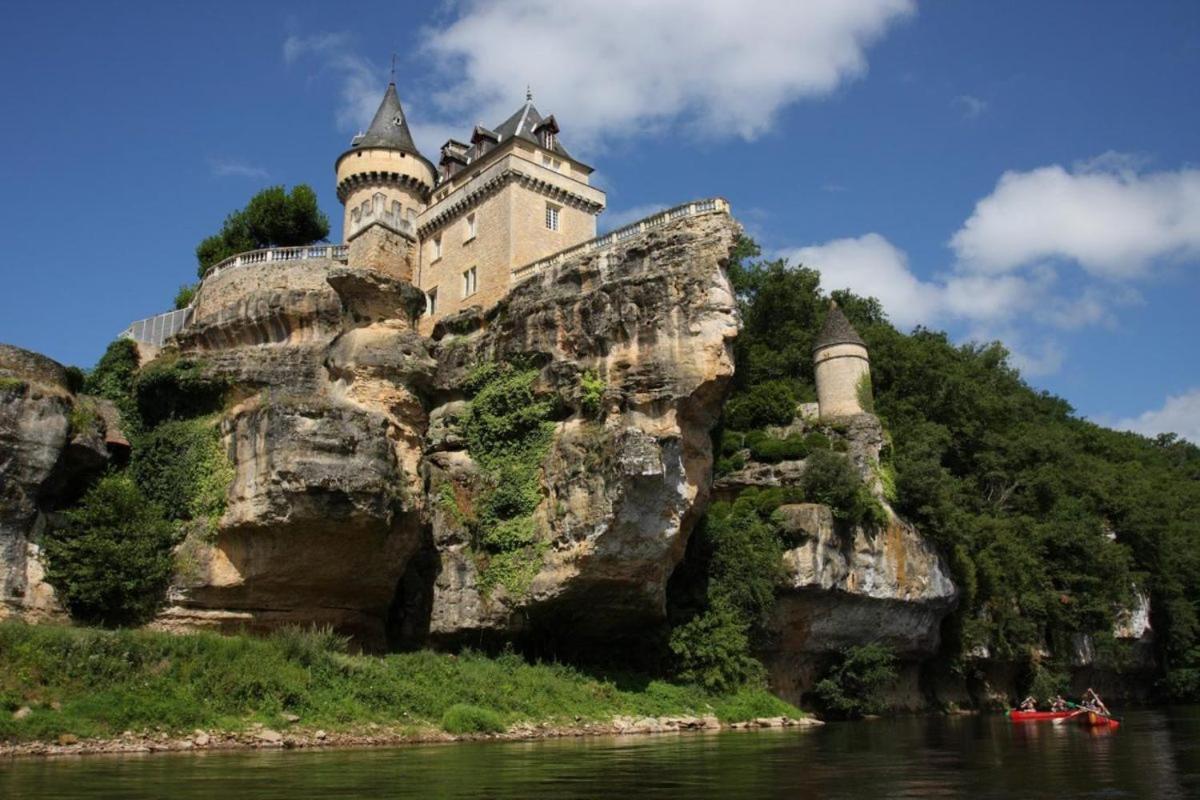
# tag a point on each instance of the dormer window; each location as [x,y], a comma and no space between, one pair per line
[547,138]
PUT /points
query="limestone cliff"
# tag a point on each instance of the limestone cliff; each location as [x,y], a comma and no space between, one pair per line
[359,483]
[51,443]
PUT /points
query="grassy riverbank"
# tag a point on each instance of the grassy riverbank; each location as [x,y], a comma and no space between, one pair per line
[58,680]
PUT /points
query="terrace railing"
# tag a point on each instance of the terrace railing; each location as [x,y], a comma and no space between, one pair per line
[337,252]
[620,235]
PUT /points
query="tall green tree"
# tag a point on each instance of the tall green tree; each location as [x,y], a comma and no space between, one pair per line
[272,218]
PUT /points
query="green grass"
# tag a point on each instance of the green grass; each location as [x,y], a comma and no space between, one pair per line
[95,683]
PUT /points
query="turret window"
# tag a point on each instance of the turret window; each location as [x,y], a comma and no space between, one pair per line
[470,282]
[469,234]
[431,301]
[437,247]
[552,216]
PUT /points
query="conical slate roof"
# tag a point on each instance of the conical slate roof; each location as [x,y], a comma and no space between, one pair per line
[837,330]
[389,128]
[524,121]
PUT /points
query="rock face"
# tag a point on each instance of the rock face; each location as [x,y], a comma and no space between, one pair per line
[848,585]
[349,432]
[653,319]
[51,444]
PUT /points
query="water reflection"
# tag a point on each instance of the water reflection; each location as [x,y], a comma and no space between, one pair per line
[1153,755]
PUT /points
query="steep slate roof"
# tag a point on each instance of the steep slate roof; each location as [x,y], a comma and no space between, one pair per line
[522,124]
[389,128]
[837,330]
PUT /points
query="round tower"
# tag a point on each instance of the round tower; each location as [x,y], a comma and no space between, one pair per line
[842,366]
[383,175]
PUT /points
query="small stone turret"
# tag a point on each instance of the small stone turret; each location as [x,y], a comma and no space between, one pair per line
[843,368]
[384,182]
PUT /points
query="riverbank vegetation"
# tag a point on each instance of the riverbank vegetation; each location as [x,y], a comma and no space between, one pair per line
[57,680]
[1051,524]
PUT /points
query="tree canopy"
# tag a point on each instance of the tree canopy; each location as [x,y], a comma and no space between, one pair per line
[272,218]
[1049,522]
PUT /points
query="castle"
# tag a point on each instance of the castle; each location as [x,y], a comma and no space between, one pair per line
[510,197]
[464,232]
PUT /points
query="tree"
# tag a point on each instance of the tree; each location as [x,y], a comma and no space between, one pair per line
[272,218]
[110,560]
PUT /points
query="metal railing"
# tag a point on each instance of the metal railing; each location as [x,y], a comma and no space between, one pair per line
[337,252]
[157,329]
[695,208]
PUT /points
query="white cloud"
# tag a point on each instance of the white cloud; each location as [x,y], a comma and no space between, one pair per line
[1104,215]
[623,67]
[970,106]
[871,265]
[226,167]
[1178,414]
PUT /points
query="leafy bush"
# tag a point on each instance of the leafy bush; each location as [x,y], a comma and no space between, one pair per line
[172,387]
[771,450]
[75,379]
[853,687]
[185,295]
[591,392]
[712,650]
[768,403]
[110,559]
[272,218]
[84,418]
[112,378]
[831,479]
[463,718]
[309,646]
[508,432]
[182,465]
[737,550]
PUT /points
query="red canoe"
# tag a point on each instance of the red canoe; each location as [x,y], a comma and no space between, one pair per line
[1094,720]
[1016,715]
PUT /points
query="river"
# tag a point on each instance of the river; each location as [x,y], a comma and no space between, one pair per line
[1155,754]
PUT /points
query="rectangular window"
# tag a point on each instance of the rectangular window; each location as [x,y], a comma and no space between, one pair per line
[431,301]
[552,163]
[552,216]
[437,247]
[470,282]
[470,233]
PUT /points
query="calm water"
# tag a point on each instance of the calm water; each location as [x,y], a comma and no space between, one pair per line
[1156,754]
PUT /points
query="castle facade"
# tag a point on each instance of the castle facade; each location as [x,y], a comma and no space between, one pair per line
[459,230]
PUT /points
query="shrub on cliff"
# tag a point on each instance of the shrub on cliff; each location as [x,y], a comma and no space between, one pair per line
[736,557]
[112,377]
[172,387]
[853,686]
[182,466]
[272,218]
[110,559]
[831,479]
[768,403]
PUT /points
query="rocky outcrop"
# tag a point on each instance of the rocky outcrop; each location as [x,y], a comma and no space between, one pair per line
[849,585]
[51,444]
[653,320]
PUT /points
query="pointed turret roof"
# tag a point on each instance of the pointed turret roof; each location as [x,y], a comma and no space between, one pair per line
[837,330]
[389,128]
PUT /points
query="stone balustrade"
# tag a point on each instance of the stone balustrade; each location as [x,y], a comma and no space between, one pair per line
[695,208]
[337,252]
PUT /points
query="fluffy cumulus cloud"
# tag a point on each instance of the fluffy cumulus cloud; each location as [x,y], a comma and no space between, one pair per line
[1105,216]
[619,67]
[1179,414]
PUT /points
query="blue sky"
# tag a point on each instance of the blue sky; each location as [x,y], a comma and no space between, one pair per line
[1026,171]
